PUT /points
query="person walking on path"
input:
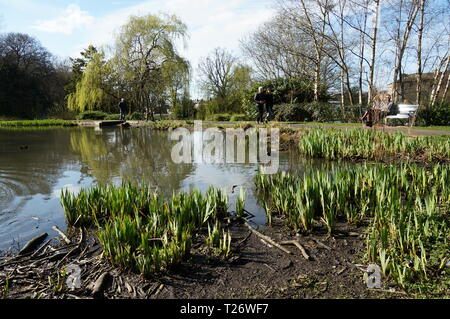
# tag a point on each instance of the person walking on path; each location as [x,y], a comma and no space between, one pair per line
[123,109]
[269,105]
[260,101]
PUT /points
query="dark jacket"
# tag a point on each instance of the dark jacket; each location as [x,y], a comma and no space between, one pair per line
[123,106]
[269,100]
[259,99]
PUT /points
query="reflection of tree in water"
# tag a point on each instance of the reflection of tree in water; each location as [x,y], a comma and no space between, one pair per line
[32,161]
[131,155]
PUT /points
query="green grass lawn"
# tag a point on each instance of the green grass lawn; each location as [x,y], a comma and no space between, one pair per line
[432,128]
[36,123]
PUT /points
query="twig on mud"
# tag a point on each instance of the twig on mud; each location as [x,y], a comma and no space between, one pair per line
[341,271]
[271,268]
[267,239]
[245,239]
[160,288]
[390,291]
[321,244]
[359,267]
[266,243]
[40,258]
[63,236]
[299,246]
[129,287]
[37,252]
[70,253]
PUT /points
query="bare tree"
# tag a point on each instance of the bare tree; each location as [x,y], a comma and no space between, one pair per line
[403,13]
[362,47]
[316,29]
[441,76]
[216,71]
[335,22]
[447,85]
[279,48]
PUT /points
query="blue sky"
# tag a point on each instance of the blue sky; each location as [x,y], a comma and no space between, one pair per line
[65,27]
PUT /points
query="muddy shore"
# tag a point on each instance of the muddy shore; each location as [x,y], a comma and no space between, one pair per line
[255,270]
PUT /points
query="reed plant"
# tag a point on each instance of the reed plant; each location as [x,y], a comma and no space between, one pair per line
[373,145]
[407,207]
[219,240]
[240,204]
[142,231]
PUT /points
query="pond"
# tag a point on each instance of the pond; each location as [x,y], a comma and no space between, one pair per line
[36,164]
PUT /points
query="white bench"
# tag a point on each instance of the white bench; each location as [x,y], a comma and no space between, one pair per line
[405,111]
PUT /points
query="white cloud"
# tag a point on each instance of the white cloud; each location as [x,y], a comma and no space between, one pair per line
[211,23]
[70,19]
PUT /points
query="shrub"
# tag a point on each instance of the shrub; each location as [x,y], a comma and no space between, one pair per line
[92,115]
[240,117]
[184,109]
[316,112]
[437,115]
[219,117]
[135,116]
[292,112]
[112,117]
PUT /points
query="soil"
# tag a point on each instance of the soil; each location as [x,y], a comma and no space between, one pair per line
[255,270]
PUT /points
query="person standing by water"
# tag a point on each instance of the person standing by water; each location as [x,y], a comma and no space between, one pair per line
[260,101]
[269,105]
[367,118]
[123,109]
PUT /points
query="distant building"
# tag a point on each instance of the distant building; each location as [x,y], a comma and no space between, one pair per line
[410,87]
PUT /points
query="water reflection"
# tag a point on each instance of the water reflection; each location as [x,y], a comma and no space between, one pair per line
[135,155]
[35,165]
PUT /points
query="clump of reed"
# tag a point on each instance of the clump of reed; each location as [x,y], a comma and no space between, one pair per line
[373,145]
[407,207]
[219,240]
[142,231]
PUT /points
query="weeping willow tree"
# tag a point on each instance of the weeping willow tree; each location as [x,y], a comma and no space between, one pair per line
[177,75]
[148,62]
[93,92]
[145,68]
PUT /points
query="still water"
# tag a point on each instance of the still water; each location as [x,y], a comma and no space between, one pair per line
[36,164]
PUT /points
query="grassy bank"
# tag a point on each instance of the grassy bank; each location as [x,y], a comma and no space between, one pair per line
[141,231]
[406,209]
[37,123]
[373,145]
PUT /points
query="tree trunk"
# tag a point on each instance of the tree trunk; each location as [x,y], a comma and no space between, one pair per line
[342,91]
[441,79]
[446,89]
[317,81]
[419,53]
[401,51]
[374,45]
[362,47]
[318,38]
